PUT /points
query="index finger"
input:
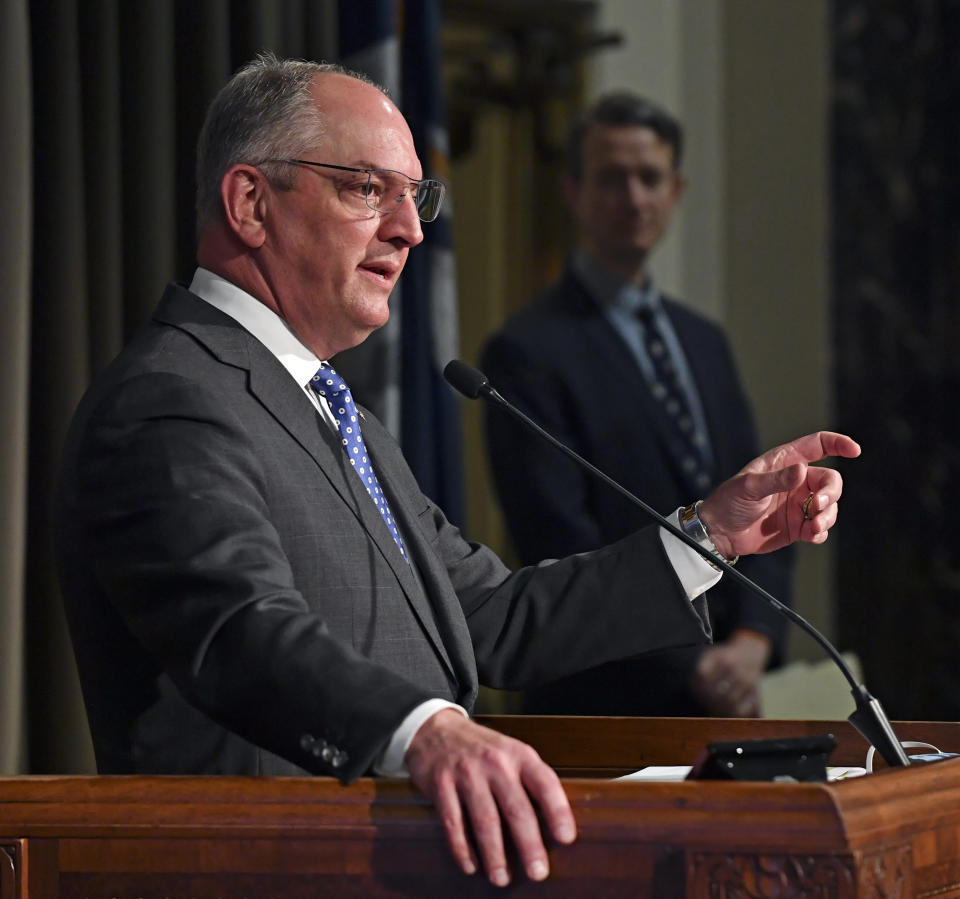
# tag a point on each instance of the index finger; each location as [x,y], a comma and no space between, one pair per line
[834,444]
[811,448]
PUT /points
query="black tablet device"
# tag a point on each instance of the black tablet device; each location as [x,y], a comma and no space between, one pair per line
[787,758]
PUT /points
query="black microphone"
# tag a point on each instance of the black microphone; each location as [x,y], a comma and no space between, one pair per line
[869,718]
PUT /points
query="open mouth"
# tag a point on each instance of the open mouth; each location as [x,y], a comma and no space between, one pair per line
[383,271]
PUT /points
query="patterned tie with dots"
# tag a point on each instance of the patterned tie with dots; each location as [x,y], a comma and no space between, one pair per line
[668,391]
[332,388]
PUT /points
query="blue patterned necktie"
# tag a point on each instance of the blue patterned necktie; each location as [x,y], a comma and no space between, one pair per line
[332,388]
[668,391]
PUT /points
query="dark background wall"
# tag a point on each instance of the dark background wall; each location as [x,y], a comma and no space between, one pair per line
[896,285]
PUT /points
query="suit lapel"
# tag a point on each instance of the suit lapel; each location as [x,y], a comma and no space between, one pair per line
[435,605]
[625,378]
[298,416]
[287,402]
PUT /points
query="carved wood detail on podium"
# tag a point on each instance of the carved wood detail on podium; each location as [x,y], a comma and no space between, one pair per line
[9,854]
[719,876]
[888,875]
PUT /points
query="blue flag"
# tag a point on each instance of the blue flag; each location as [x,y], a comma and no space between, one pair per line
[368,43]
[431,435]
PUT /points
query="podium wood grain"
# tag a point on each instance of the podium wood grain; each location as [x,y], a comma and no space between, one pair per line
[893,834]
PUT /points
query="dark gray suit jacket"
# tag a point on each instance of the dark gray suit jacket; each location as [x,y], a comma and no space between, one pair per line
[236,603]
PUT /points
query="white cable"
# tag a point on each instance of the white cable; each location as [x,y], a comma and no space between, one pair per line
[906,744]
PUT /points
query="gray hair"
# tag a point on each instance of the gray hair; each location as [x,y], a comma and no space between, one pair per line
[265,111]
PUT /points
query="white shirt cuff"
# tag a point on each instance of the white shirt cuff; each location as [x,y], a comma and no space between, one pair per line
[391,762]
[696,575]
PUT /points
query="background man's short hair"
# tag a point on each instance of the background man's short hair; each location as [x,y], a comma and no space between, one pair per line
[622,108]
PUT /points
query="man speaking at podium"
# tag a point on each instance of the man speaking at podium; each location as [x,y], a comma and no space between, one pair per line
[255,583]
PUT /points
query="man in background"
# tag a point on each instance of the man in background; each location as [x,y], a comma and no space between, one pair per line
[647,390]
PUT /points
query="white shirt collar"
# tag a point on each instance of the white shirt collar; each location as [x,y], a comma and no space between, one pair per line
[261,321]
[609,291]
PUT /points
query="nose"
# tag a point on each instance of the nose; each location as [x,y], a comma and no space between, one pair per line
[637,191]
[402,225]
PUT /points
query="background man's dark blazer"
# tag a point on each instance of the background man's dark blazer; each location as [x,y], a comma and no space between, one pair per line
[561,361]
[236,603]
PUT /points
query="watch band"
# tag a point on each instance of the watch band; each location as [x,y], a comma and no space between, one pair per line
[692,525]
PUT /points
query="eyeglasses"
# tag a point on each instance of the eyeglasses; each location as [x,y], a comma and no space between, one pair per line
[384,190]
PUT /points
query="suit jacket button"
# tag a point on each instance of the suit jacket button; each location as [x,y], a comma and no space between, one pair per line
[327,753]
[307,742]
[339,759]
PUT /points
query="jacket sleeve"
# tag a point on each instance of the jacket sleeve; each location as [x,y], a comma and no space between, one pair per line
[546,621]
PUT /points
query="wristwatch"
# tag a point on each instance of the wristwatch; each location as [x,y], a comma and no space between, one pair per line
[692,525]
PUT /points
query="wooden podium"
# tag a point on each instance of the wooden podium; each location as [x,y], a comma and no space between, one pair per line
[895,833]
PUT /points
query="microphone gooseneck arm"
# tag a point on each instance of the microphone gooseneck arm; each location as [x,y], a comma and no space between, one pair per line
[869,717]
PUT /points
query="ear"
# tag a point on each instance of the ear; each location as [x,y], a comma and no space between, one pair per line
[679,185]
[242,191]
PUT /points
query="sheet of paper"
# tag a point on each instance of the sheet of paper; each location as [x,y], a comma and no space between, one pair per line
[666,773]
[659,772]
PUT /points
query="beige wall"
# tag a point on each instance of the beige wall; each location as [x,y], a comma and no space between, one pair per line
[749,79]
[776,211]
